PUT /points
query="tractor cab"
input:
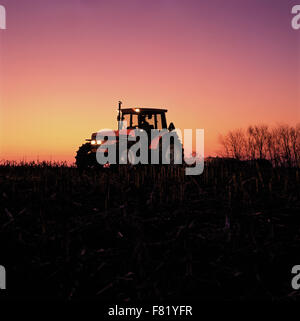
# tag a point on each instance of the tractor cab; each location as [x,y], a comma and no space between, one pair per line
[143,118]
[148,119]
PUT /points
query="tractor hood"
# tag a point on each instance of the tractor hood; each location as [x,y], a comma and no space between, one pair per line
[108,133]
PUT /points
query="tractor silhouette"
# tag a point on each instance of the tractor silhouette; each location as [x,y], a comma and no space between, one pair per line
[150,120]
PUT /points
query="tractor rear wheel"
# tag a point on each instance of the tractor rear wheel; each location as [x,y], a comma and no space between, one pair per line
[172,155]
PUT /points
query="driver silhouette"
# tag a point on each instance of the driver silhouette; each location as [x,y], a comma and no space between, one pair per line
[144,124]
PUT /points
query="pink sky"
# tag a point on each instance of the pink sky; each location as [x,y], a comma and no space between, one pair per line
[213,64]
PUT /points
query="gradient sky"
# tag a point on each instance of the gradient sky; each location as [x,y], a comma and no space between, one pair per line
[214,64]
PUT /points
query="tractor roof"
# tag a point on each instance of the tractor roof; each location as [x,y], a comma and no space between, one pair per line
[137,110]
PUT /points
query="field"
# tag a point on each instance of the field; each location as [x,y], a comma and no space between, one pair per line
[149,233]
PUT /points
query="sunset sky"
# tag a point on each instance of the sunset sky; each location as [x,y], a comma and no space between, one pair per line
[214,64]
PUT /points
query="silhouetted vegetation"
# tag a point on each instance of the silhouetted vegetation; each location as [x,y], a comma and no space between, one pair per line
[149,233]
[280,145]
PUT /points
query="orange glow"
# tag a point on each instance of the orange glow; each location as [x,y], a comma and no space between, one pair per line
[63,70]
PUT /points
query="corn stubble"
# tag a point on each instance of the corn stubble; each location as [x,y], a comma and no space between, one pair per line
[149,233]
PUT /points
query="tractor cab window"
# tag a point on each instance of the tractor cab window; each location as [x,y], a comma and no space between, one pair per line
[134,121]
[145,120]
[131,120]
[150,119]
[158,121]
[125,118]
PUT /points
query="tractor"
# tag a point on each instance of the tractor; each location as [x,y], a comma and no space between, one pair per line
[150,120]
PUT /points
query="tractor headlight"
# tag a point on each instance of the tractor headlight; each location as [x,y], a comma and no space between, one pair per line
[96,142]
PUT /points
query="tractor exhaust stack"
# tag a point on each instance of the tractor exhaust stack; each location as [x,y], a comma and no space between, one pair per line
[119,115]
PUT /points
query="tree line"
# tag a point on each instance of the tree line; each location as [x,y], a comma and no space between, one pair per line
[279,144]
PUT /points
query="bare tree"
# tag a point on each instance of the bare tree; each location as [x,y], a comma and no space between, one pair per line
[257,138]
[295,144]
[234,144]
[280,145]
